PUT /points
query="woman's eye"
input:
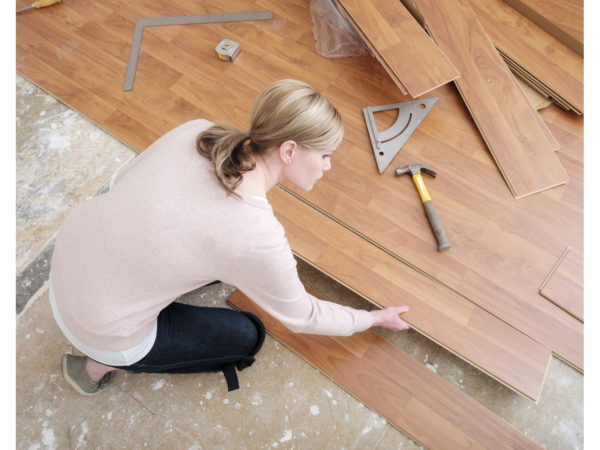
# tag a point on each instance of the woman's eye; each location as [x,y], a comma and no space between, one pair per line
[326,156]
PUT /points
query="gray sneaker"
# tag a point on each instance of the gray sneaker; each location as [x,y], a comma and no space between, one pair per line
[73,369]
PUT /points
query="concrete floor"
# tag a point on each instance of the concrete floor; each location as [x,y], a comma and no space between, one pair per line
[283,402]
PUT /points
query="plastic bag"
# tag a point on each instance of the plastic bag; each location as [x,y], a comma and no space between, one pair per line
[335,36]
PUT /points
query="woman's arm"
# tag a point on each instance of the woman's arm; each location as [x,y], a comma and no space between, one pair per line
[268,276]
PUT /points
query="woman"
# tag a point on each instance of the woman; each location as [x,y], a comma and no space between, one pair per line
[189,210]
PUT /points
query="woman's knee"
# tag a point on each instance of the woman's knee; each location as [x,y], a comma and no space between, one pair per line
[247,332]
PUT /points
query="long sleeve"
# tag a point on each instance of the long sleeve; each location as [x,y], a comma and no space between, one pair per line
[268,275]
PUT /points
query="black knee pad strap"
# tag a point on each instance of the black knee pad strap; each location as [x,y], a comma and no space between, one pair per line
[228,369]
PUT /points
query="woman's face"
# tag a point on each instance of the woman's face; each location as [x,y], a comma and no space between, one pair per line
[308,166]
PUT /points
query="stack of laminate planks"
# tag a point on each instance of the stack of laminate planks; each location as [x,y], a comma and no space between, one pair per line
[537,57]
[518,139]
[399,43]
[563,19]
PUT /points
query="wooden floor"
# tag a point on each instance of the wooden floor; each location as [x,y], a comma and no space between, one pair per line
[502,248]
[401,389]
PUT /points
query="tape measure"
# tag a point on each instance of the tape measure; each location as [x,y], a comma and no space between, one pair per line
[227,49]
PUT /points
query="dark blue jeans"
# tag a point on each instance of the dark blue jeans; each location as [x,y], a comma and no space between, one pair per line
[194,339]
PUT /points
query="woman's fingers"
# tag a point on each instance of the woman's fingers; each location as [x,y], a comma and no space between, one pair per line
[389,318]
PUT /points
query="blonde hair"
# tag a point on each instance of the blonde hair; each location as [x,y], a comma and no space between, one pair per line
[284,110]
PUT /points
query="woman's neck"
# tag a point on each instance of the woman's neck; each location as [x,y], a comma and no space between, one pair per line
[259,180]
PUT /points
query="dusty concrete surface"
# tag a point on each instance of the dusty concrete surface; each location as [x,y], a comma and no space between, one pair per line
[283,402]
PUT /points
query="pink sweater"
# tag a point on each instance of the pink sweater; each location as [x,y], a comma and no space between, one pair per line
[166,228]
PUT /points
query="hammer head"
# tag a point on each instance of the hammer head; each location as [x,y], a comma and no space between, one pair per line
[414,169]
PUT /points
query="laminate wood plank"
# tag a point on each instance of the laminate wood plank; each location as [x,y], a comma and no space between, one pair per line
[505,119]
[412,398]
[554,145]
[562,19]
[558,69]
[536,84]
[566,127]
[478,211]
[437,312]
[374,51]
[564,284]
[408,51]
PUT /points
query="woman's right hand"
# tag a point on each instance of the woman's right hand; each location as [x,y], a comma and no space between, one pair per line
[390,318]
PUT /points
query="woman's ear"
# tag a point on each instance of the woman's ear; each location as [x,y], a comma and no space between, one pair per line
[286,151]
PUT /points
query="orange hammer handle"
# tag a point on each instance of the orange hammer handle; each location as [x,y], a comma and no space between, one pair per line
[432,215]
[43,3]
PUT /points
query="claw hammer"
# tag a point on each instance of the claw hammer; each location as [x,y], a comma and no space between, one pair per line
[434,220]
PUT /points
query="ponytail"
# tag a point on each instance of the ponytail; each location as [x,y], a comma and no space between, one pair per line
[230,151]
[284,110]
